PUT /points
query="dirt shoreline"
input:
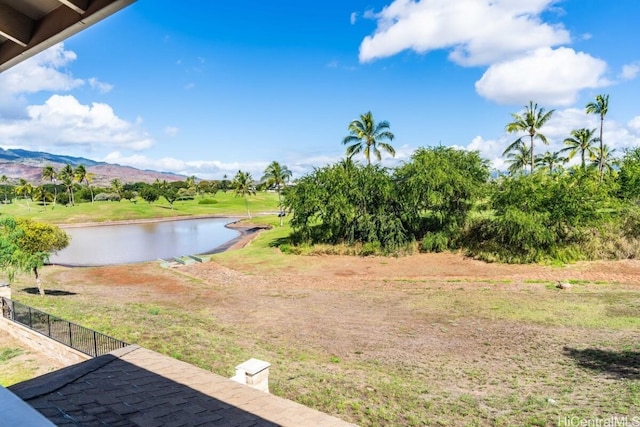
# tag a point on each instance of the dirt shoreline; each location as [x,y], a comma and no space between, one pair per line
[147,220]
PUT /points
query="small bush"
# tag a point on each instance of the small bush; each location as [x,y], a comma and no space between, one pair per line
[207,202]
[435,242]
[107,197]
[370,248]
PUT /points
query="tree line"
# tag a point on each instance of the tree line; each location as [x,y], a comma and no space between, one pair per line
[443,198]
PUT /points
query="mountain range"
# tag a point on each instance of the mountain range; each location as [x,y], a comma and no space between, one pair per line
[17,163]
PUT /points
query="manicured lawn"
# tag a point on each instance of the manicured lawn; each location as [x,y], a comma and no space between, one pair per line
[227,204]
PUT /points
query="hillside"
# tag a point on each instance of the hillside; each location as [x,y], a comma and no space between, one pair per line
[17,163]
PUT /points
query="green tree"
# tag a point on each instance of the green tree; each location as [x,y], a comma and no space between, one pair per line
[25,189]
[25,246]
[190,182]
[243,186]
[224,184]
[550,160]
[277,176]
[41,194]
[149,194]
[116,186]
[4,180]
[605,159]
[171,195]
[600,107]
[582,141]
[49,173]
[530,121]
[629,175]
[67,176]
[348,203]
[365,135]
[438,188]
[81,175]
[518,157]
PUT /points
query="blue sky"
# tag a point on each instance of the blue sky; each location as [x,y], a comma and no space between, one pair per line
[207,88]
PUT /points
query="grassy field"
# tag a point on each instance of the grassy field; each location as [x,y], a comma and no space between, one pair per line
[226,204]
[422,340]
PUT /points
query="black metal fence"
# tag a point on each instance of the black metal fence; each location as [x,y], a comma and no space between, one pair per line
[75,336]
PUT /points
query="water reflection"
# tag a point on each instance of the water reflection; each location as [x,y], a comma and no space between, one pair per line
[129,243]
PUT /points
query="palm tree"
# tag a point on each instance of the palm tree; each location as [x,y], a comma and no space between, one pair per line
[605,158]
[366,135]
[600,107]
[277,175]
[191,181]
[530,122]
[518,158]
[67,176]
[25,189]
[243,186]
[4,180]
[116,186]
[48,172]
[41,194]
[550,160]
[582,141]
[81,175]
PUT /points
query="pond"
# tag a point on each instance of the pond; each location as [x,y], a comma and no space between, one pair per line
[147,241]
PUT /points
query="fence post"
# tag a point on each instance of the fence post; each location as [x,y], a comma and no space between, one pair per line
[49,324]
[70,337]
[13,310]
[30,327]
[95,344]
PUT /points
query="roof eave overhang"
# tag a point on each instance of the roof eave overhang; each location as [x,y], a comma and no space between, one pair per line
[57,26]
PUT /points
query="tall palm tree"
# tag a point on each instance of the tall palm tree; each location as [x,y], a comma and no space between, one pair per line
[277,175]
[4,180]
[81,175]
[582,141]
[530,121]
[366,135]
[243,186]
[48,172]
[25,189]
[550,160]
[67,176]
[518,158]
[600,107]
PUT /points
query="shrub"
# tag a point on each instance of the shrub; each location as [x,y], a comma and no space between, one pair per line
[207,202]
[107,197]
[370,248]
[434,242]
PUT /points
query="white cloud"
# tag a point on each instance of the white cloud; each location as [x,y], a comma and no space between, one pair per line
[62,121]
[550,76]
[630,71]
[212,169]
[100,86]
[477,32]
[525,56]
[353,17]
[171,130]
[41,73]
[635,124]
